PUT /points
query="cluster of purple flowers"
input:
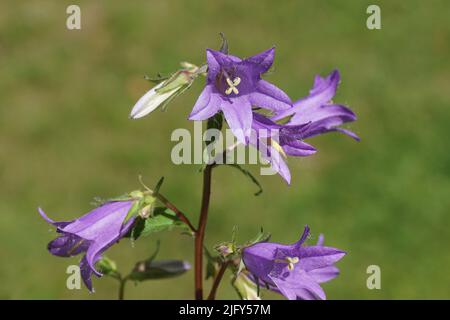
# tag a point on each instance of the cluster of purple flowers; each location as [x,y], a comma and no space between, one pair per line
[234,87]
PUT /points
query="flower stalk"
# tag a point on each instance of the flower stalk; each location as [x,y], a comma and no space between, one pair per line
[200,233]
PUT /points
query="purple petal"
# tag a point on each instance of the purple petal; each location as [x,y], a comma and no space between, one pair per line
[86,274]
[316,257]
[298,285]
[304,236]
[61,224]
[270,97]
[340,114]
[238,114]
[67,245]
[322,92]
[213,64]
[321,240]
[263,60]
[298,148]
[349,133]
[324,274]
[206,106]
[104,220]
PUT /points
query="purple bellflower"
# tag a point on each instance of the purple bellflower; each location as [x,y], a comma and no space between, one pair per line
[295,271]
[233,86]
[92,234]
[310,116]
[318,111]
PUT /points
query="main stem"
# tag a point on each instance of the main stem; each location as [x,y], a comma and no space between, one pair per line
[200,232]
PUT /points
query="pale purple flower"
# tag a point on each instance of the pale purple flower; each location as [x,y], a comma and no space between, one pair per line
[234,86]
[294,270]
[310,116]
[91,234]
[318,111]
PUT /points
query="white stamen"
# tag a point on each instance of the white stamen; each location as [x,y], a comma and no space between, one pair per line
[232,85]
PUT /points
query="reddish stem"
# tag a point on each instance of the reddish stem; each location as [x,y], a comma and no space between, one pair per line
[200,233]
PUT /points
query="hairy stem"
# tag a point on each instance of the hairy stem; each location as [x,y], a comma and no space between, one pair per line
[217,280]
[200,233]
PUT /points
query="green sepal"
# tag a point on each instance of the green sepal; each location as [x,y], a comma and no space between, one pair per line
[262,236]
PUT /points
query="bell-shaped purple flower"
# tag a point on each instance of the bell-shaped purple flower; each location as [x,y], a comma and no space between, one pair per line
[318,111]
[91,234]
[310,116]
[295,270]
[233,86]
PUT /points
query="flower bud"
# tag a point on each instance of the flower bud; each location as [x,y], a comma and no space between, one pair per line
[165,91]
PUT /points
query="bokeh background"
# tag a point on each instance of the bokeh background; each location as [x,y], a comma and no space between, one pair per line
[65,136]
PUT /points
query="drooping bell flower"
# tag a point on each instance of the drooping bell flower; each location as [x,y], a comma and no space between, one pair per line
[310,116]
[318,111]
[92,234]
[234,86]
[294,270]
[275,142]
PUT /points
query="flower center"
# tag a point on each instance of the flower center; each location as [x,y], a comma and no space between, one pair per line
[291,261]
[232,85]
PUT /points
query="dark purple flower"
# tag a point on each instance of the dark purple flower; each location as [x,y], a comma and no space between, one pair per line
[295,271]
[233,86]
[91,234]
[311,116]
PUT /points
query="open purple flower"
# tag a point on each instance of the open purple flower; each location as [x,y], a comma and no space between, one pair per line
[276,142]
[295,271]
[318,111]
[91,234]
[233,86]
[311,116]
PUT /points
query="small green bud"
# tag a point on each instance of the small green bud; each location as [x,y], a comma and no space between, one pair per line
[107,266]
[225,249]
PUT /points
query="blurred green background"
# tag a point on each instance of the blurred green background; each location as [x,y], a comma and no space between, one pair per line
[65,136]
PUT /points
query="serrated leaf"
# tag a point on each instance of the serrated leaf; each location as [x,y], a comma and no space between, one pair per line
[248,175]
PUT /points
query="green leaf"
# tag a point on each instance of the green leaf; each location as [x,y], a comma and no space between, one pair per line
[150,269]
[163,219]
[248,175]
